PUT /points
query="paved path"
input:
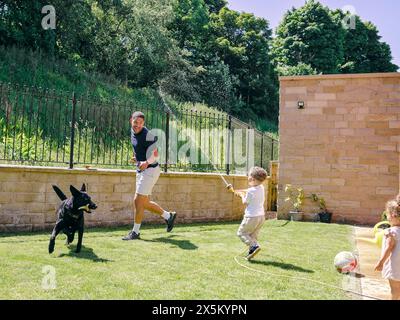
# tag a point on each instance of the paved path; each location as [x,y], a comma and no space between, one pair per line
[372,283]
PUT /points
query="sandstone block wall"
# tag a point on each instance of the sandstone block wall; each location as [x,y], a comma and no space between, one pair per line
[344,144]
[28,202]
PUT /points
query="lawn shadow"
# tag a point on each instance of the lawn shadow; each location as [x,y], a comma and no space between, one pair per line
[283,225]
[183,244]
[357,275]
[282,265]
[86,253]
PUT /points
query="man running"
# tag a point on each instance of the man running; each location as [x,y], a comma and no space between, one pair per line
[148,172]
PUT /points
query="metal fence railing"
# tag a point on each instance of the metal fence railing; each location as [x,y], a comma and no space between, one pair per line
[45,127]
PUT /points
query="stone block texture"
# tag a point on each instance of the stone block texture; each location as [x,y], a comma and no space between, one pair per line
[28,202]
[344,144]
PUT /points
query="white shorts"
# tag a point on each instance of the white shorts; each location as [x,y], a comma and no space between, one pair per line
[146,180]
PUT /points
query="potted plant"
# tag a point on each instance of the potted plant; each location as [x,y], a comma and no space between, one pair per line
[312,216]
[296,198]
[324,215]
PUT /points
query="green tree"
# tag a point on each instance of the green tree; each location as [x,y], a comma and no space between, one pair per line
[363,50]
[311,36]
[217,86]
[20,25]
[133,41]
[314,39]
[215,6]
[242,42]
[189,23]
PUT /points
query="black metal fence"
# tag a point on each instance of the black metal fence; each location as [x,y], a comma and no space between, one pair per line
[44,127]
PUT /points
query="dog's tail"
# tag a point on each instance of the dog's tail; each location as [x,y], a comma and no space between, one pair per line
[60,194]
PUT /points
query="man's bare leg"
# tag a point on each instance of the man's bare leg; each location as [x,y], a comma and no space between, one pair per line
[154,207]
[139,204]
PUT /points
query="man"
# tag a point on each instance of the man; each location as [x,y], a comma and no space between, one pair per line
[148,172]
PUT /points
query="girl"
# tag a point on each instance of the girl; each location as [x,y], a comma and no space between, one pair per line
[389,263]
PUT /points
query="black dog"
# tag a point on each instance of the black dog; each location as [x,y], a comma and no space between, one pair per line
[70,215]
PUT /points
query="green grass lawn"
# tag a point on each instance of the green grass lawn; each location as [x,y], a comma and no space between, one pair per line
[193,262]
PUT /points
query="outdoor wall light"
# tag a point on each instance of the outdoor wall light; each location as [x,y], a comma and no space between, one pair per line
[300,104]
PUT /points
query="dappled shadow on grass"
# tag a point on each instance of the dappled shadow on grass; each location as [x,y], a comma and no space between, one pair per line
[282,265]
[182,244]
[86,253]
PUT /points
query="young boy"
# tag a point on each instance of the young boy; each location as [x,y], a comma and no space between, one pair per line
[254,215]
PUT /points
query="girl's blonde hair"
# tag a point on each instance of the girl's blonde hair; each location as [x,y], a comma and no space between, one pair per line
[393,207]
[258,173]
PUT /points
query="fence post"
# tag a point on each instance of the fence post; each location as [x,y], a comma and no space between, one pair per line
[247,149]
[262,147]
[228,158]
[272,149]
[166,143]
[273,186]
[72,142]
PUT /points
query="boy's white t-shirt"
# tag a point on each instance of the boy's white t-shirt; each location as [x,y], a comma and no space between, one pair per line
[254,199]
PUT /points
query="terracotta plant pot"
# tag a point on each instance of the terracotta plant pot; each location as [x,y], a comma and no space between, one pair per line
[296,216]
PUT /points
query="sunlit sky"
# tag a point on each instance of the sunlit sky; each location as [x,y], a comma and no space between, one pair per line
[383,13]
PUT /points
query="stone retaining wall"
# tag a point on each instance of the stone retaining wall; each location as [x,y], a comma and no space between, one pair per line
[28,202]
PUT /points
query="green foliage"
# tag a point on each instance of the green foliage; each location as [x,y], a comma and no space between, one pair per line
[241,40]
[214,6]
[189,22]
[195,50]
[310,36]
[217,86]
[298,70]
[296,197]
[314,39]
[20,24]
[364,52]
[321,202]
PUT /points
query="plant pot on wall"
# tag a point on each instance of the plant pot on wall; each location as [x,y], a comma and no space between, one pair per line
[296,216]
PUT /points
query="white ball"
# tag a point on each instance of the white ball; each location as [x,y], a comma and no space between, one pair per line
[345,262]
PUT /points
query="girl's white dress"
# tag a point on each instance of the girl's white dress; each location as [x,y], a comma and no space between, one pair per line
[391,268]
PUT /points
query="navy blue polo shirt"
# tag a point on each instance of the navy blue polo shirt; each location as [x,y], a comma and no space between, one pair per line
[143,145]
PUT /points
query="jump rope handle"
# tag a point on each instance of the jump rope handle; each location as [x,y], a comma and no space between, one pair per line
[230,188]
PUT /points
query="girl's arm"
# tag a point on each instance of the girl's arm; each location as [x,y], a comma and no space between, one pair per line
[391,242]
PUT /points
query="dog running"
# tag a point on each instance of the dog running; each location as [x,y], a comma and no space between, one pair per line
[70,215]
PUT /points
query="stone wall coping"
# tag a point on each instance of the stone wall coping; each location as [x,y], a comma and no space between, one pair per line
[341,76]
[63,170]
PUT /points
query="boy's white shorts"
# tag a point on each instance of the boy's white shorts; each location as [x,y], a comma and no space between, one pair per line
[146,180]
